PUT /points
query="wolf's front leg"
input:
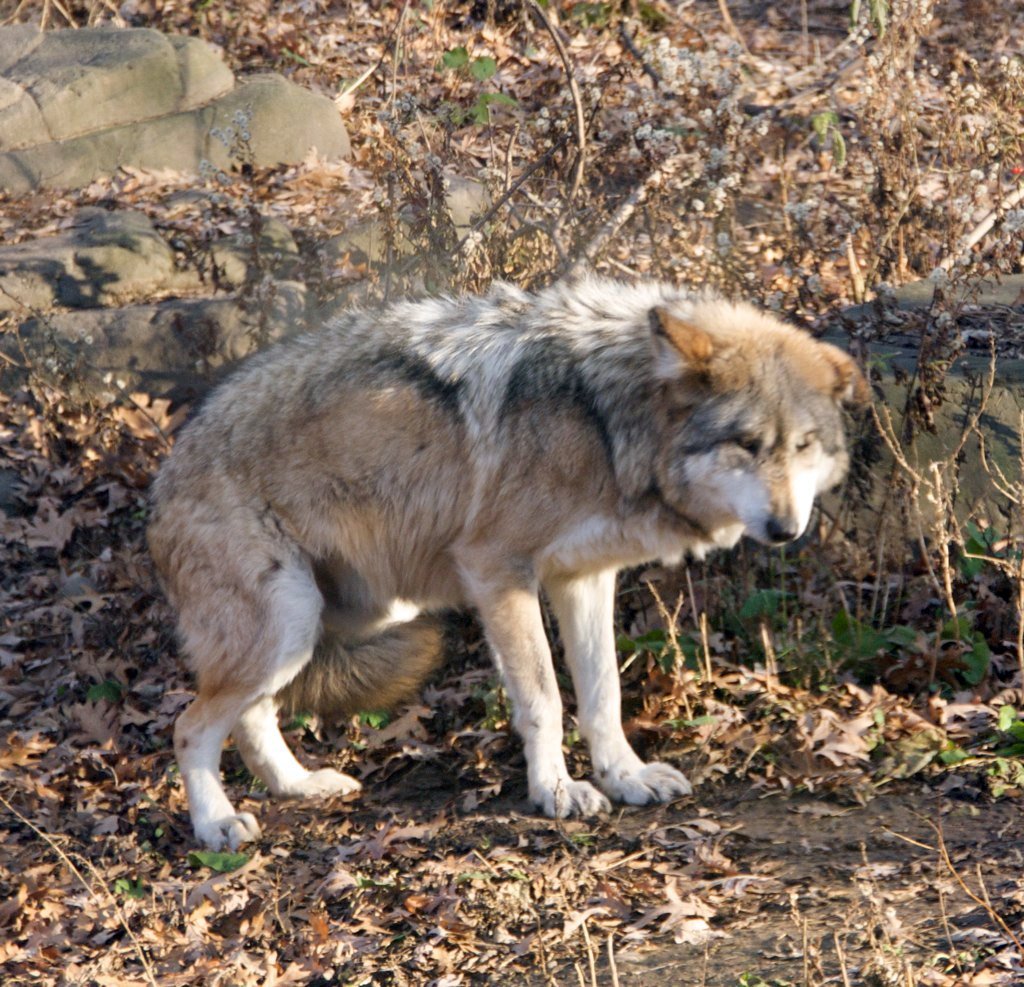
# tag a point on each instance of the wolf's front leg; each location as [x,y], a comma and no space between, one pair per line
[584,608]
[513,624]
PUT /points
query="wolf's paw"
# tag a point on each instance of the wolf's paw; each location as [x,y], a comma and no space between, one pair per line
[570,798]
[320,784]
[642,784]
[228,831]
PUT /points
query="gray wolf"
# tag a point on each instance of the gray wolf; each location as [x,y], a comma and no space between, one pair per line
[340,489]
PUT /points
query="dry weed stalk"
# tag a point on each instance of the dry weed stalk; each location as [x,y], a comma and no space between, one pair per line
[938,531]
[671,624]
[1011,563]
[982,900]
[577,101]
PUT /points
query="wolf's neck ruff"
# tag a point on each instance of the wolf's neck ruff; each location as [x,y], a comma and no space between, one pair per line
[473,451]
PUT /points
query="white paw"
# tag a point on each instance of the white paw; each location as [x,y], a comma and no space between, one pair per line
[641,784]
[569,798]
[320,784]
[228,831]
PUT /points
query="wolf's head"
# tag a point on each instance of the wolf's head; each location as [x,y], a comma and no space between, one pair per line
[752,417]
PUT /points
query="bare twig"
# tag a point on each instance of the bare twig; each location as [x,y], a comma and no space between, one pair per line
[856,274]
[509,192]
[982,229]
[591,959]
[574,90]
[396,50]
[612,966]
[630,45]
[982,902]
[354,85]
[622,215]
[63,347]
[730,26]
[841,953]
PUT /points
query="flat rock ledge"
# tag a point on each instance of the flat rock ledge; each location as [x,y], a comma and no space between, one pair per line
[111,258]
[76,105]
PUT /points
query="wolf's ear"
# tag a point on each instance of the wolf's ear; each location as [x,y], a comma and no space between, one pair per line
[679,346]
[849,385]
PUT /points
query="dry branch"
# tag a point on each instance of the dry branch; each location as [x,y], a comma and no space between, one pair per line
[574,90]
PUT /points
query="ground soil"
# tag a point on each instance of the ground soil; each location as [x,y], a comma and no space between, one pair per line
[828,886]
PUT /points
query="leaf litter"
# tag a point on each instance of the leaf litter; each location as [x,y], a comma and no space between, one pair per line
[804,833]
[437,872]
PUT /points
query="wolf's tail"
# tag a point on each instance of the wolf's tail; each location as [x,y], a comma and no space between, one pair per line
[343,678]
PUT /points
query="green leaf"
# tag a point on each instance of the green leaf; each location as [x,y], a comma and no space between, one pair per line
[823,122]
[300,721]
[473,875]
[862,641]
[1007,717]
[762,603]
[697,721]
[480,111]
[838,149]
[953,756]
[222,863]
[977,659]
[901,636]
[377,719]
[879,15]
[652,640]
[483,68]
[957,629]
[592,14]
[295,56]
[130,889]
[456,58]
[110,690]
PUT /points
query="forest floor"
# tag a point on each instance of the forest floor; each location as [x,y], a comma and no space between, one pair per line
[855,817]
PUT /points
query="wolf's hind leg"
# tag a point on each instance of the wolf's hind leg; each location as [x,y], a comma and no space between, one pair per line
[267,755]
[583,606]
[199,736]
[246,646]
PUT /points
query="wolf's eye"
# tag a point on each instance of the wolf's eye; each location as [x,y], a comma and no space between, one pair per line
[806,441]
[750,444]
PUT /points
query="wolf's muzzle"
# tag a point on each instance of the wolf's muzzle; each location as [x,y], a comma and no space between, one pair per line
[781,530]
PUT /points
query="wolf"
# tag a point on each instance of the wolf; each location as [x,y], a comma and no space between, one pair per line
[341,490]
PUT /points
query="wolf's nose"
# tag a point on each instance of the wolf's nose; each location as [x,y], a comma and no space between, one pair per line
[780,531]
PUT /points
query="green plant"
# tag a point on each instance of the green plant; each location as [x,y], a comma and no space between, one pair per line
[375,719]
[664,648]
[826,127]
[222,863]
[109,689]
[1012,726]
[128,888]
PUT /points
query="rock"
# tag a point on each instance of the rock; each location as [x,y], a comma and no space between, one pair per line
[97,78]
[105,258]
[76,105]
[467,199]
[892,350]
[176,347]
[111,258]
[279,254]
